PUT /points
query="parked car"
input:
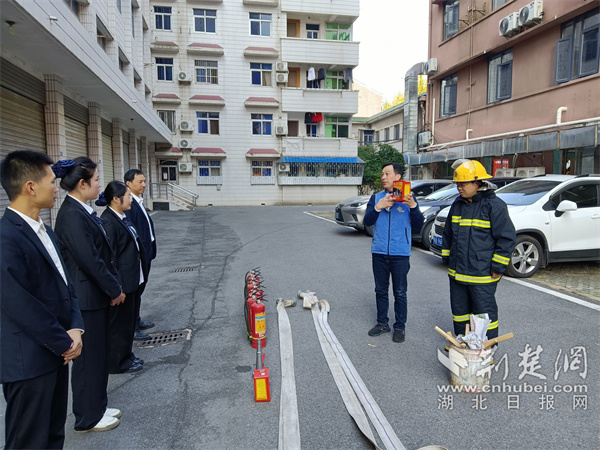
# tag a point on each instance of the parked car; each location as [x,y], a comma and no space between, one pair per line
[432,204]
[351,212]
[557,218]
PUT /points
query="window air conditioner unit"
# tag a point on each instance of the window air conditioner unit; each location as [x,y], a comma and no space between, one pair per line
[185,143]
[186,126]
[282,78]
[185,167]
[283,167]
[504,173]
[509,26]
[431,66]
[531,14]
[424,139]
[526,172]
[281,130]
[184,76]
[424,173]
[281,67]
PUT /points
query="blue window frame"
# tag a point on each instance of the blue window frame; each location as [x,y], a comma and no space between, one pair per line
[261,74]
[312,31]
[500,77]
[578,49]
[208,168]
[164,69]
[448,95]
[208,122]
[261,124]
[162,17]
[451,11]
[260,24]
[205,20]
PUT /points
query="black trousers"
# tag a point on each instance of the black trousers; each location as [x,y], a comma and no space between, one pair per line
[466,299]
[89,376]
[122,328]
[36,410]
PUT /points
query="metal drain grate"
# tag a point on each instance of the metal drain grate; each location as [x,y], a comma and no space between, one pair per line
[171,337]
[186,269]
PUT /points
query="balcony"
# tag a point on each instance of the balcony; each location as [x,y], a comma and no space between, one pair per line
[322,100]
[344,8]
[334,54]
[309,146]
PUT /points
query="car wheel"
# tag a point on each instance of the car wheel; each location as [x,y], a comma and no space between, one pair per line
[369,231]
[526,258]
[427,235]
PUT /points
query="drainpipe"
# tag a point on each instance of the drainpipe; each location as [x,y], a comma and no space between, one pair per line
[559,112]
[432,119]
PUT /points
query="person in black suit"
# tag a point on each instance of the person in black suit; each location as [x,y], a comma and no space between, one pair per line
[131,263]
[41,323]
[91,264]
[136,181]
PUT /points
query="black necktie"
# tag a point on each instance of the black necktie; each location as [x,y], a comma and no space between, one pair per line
[99,221]
[127,222]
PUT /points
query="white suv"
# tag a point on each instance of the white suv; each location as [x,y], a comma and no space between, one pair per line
[557,218]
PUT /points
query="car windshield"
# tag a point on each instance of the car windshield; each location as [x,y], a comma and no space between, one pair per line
[525,192]
[443,194]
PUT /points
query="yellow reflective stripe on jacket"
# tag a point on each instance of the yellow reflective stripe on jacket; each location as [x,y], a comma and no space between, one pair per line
[474,223]
[461,318]
[493,325]
[445,252]
[500,259]
[456,219]
[470,279]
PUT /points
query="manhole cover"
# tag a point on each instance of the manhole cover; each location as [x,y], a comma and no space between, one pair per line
[171,337]
[186,269]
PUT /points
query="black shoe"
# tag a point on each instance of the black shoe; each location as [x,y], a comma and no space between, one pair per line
[379,329]
[141,336]
[398,336]
[135,367]
[139,361]
[145,325]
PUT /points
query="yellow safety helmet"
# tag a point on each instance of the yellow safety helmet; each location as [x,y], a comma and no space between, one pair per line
[469,170]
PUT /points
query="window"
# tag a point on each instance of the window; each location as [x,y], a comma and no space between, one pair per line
[260,24]
[498,3]
[205,20]
[168,117]
[500,77]
[397,132]
[450,18]
[312,31]
[261,124]
[577,51]
[208,123]
[262,168]
[132,22]
[119,5]
[337,32]
[101,38]
[367,137]
[337,127]
[209,168]
[335,80]
[311,130]
[164,69]
[261,74]
[583,195]
[73,6]
[448,95]
[207,72]
[168,171]
[387,135]
[162,17]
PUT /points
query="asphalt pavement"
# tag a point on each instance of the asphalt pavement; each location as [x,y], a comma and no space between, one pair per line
[198,394]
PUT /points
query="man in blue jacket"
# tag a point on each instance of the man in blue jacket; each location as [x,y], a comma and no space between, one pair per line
[392,222]
[41,322]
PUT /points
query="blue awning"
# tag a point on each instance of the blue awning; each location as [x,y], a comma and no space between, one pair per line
[321,159]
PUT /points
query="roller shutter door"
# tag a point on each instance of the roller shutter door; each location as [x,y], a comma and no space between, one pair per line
[107,159]
[125,151]
[22,127]
[76,138]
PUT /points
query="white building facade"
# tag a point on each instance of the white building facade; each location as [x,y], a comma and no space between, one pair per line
[258,97]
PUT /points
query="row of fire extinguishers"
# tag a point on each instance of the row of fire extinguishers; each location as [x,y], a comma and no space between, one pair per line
[254,298]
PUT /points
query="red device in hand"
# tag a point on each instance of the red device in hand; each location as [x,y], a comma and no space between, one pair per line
[401,189]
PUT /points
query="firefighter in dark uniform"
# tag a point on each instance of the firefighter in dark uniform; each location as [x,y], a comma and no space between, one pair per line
[478,241]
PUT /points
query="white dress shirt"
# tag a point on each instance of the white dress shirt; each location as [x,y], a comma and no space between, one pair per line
[123,216]
[140,201]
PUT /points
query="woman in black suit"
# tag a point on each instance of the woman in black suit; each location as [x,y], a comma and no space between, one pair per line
[91,264]
[131,263]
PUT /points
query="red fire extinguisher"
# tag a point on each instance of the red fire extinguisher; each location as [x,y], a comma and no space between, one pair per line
[257,321]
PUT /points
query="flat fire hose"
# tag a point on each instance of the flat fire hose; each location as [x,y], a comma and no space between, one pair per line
[289,425]
[337,358]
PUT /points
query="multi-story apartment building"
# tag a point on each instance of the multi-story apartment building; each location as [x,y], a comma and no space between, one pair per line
[515,84]
[258,96]
[72,83]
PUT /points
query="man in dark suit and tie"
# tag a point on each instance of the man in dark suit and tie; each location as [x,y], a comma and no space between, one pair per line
[136,181]
[41,324]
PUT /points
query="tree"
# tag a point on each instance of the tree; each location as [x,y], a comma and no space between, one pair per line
[398,98]
[374,158]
